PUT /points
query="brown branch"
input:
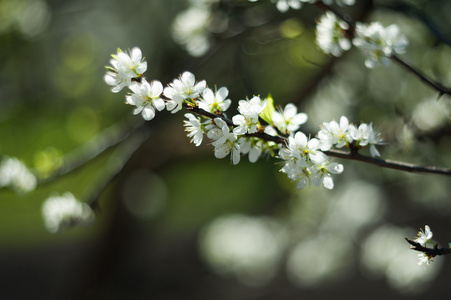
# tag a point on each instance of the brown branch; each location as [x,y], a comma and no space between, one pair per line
[354,155]
[430,252]
[441,89]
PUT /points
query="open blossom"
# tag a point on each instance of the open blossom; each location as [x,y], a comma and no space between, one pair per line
[60,212]
[215,102]
[247,120]
[181,89]
[226,143]
[300,146]
[125,67]
[379,43]
[423,258]
[331,35]
[289,119]
[336,134]
[146,98]
[366,135]
[322,173]
[305,162]
[14,174]
[194,129]
[424,236]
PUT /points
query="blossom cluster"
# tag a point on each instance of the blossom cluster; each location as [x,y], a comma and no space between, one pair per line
[62,211]
[378,43]
[258,128]
[334,134]
[424,238]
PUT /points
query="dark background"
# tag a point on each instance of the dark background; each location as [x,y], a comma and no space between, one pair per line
[156,208]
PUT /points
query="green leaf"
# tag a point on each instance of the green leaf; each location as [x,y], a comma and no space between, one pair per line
[266,114]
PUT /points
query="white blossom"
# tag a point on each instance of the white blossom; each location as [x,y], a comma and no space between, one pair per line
[322,173]
[424,236]
[423,258]
[215,102]
[305,163]
[194,129]
[247,120]
[60,212]
[125,67]
[300,146]
[183,88]
[14,174]
[335,134]
[289,119]
[366,135]
[331,35]
[379,43]
[226,143]
[146,98]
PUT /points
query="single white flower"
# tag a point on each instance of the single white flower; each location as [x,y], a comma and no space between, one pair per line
[125,67]
[424,236]
[251,107]
[194,129]
[14,174]
[245,124]
[146,98]
[366,135]
[215,102]
[226,143]
[300,146]
[181,89]
[336,134]
[423,258]
[331,35]
[322,173]
[379,43]
[289,119]
[60,212]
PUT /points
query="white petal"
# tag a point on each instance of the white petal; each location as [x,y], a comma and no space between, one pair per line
[156,88]
[148,113]
[222,151]
[159,104]
[328,182]
[221,94]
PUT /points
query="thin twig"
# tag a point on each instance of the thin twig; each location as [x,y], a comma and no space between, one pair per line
[389,163]
[430,252]
[441,89]
[351,155]
[105,140]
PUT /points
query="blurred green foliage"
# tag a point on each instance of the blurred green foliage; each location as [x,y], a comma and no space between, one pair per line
[53,100]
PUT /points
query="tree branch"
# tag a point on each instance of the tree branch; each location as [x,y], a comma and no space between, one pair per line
[351,155]
[354,155]
[105,140]
[430,252]
[441,89]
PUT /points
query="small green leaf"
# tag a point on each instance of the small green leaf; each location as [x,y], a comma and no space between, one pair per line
[266,114]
